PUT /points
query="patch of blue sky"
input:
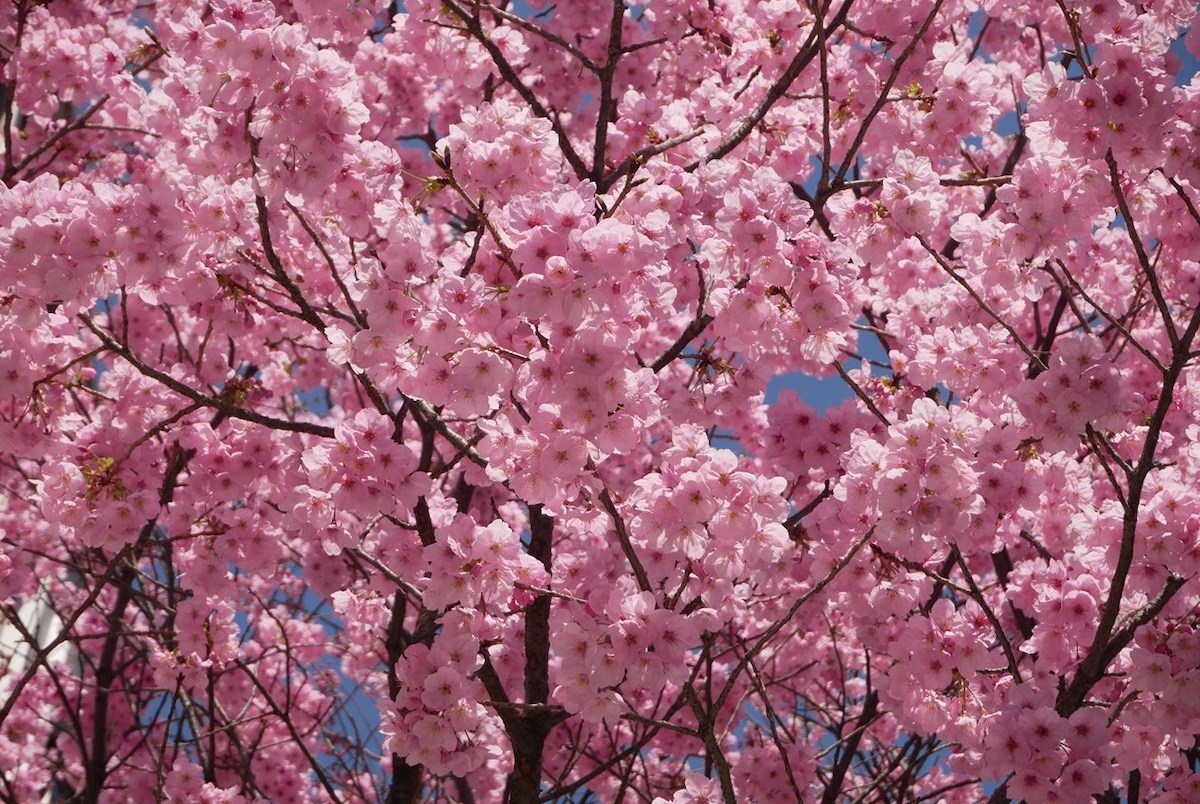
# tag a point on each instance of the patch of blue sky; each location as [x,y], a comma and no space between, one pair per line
[1189,64]
[824,392]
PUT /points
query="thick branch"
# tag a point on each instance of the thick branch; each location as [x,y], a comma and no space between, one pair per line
[848,748]
[1105,645]
[607,102]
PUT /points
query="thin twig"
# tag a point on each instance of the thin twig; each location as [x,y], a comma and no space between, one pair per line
[983,305]
[224,406]
[1160,300]
[639,572]
[977,596]
[761,643]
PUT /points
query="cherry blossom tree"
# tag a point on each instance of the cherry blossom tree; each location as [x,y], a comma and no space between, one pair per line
[384,407]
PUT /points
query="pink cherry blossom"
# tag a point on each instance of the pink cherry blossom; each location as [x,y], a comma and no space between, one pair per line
[425,401]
